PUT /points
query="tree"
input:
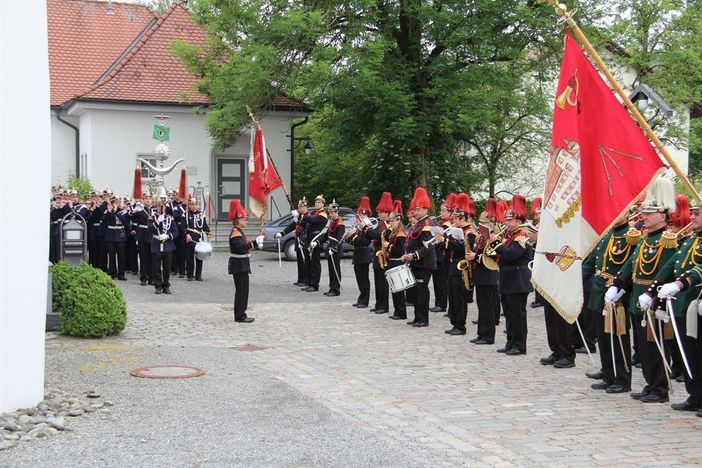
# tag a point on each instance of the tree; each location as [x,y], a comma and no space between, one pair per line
[396,79]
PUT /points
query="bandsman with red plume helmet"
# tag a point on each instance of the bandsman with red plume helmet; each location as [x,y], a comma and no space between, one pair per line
[239,265]
[440,275]
[375,234]
[362,256]
[394,246]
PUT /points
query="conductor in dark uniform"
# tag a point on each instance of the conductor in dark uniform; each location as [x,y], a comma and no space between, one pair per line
[239,266]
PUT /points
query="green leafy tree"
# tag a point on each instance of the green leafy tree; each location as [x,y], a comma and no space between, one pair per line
[393,81]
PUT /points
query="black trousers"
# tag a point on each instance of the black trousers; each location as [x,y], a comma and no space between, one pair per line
[458,308]
[440,280]
[145,270]
[54,249]
[315,267]
[381,289]
[180,258]
[693,352]
[488,299]
[93,255]
[132,256]
[559,333]
[192,263]
[241,295]
[115,253]
[514,306]
[102,254]
[651,360]
[161,269]
[410,295]
[361,273]
[604,344]
[421,299]
[301,266]
[334,262]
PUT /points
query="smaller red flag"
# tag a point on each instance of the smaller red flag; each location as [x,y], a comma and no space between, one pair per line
[264,178]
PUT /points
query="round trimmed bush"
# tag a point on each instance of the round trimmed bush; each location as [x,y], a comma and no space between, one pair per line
[60,278]
[92,305]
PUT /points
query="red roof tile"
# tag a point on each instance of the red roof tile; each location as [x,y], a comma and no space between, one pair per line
[84,40]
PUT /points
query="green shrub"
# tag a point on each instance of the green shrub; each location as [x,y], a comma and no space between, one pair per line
[92,305]
[60,278]
[82,186]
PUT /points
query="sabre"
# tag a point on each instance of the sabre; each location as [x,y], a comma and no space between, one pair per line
[280,260]
[621,348]
[655,338]
[671,316]
[582,337]
[331,257]
[612,331]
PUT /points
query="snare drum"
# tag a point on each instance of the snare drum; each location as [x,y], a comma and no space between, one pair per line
[400,278]
[203,250]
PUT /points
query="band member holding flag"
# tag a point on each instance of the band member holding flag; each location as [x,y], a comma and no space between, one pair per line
[334,236]
[682,275]
[239,266]
[636,276]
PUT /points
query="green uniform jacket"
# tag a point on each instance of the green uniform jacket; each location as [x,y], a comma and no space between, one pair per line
[683,266]
[641,268]
[610,255]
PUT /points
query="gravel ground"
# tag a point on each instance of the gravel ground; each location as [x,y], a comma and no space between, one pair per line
[236,414]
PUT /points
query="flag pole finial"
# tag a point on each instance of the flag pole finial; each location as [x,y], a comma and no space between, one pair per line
[253,119]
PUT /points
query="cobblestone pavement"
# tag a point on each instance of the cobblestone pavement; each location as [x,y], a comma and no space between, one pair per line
[431,399]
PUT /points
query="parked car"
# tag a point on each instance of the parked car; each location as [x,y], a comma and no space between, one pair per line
[287,242]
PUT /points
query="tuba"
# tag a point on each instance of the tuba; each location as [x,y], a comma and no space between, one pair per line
[489,256]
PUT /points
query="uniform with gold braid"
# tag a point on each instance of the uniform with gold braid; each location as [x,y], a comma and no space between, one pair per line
[395,248]
[485,278]
[239,266]
[374,234]
[460,279]
[315,225]
[361,254]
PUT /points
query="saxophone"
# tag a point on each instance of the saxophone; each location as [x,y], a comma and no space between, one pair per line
[465,266]
[382,254]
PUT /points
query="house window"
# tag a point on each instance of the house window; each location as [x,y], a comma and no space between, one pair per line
[146,173]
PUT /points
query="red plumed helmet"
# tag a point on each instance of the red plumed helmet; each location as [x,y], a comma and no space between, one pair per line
[182,186]
[397,208]
[471,208]
[518,209]
[450,201]
[491,208]
[137,184]
[385,203]
[236,210]
[421,198]
[535,206]
[681,217]
[500,208]
[461,203]
[364,207]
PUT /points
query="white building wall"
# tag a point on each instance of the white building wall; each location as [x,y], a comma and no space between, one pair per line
[63,149]
[25,168]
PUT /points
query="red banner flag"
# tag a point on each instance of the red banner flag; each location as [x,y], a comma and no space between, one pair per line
[263,178]
[600,162]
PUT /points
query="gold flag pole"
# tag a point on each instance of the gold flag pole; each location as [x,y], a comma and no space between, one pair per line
[562,11]
[265,208]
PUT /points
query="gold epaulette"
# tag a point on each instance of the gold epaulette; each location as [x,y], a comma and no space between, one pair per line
[426,228]
[401,233]
[633,236]
[669,240]
[323,213]
[235,233]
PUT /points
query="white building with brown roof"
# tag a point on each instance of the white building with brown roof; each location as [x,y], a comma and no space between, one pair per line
[112,71]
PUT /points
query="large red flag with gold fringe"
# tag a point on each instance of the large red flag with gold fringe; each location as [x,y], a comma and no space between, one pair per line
[600,162]
[263,178]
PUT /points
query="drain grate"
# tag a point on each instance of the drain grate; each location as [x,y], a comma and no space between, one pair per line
[167,372]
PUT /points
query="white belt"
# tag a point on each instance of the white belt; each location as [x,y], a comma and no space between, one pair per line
[115,227]
[143,226]
[195,231]
[96,224]
[240,255]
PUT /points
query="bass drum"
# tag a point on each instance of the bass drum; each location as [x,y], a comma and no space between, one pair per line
[400,278]
[203,250]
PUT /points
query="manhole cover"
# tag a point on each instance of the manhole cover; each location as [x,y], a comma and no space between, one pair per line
[167,372]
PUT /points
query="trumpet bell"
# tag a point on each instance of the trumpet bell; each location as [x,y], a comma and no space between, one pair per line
[489,262]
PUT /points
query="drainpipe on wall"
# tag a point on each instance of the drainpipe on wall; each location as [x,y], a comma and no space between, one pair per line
[292,152]
[77,130]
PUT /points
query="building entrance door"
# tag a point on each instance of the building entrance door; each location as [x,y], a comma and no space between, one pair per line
[231,183]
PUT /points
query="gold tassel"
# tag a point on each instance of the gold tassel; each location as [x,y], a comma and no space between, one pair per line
[633,236]
[620,318]
[649,334]
[669,240]
[668,331]
[608,320]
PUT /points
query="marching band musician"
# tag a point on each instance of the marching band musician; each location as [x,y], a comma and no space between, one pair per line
[334,236]
[383,209]
[141,213]
[683,274]
[297,226]
[177,209]
[487,294]
[361,254]
[440,276]
[116,220]
[421,256]
[239,265]
[458,250]
[163,230]
[637,275]
[394,245]
[315,225]
[93,220]
[195,227]
[515,277]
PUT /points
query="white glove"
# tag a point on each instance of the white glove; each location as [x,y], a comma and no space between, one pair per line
[279,235]
[366,221]
[645,301]
[259,241]
[138,207]
[699,308]
[668,290]
[295,214]
[613,294]
[313,245]
[162,237]
[161,218]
